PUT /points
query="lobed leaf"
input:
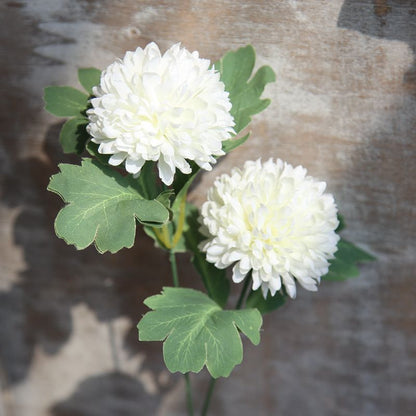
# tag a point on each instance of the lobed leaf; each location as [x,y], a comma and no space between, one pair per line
[197,332]
[236,68]
[102,207]
[65,101]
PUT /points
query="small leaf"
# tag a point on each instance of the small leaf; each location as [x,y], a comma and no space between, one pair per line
[74,135]
[89,78]
[102,207]
[214,279]
[256,300]
[197,332]
[343,266]
[341,224]
[65,101]
[235,68]
[231,144]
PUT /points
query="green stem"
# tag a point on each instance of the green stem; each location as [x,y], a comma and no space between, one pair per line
[213,380]
[189,395]
[175,278]
[208,396]
[243,291]
[174,268]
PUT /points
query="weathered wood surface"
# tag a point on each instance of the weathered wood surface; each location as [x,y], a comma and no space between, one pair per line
[343,106]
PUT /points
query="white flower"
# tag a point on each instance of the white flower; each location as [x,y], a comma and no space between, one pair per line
[273,220]
[169,108]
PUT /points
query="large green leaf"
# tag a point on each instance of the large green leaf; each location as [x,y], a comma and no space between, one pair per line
[89,78]
[214,279]
[197,332]
[236,68]
[256,300]
[65,101]
[343,266]
[102,207]
[74,136]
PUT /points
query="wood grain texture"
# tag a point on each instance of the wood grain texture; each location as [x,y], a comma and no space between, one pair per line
[343,106]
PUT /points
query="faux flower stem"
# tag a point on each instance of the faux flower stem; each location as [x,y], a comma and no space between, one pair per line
[213,380]
[175,278]
[174,268]
[208,396]
[189,395]
[243,293]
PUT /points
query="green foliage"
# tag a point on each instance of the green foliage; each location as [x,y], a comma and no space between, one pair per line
[343,266]
[256,300]
[88,78]
[171,236]
[69,102]
[65,101]
[341,224]
[92,149]
[231,144]
[236,68]
[197,332]
[73,135]
[102,207]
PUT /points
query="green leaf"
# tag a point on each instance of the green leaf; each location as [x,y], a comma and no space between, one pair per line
[102,207]
[89,78]
[148,181]
[214,279]
[231,144]
[236,68]
[92,149]
[74,135]
[256,300]
[341,224]
[65,101]
[197,332]
[343,266]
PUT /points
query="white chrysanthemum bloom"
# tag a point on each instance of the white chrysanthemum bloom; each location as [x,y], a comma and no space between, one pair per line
[273,220]
[167,108]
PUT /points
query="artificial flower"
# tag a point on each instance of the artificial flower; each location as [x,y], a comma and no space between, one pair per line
[272,220]
[169,108]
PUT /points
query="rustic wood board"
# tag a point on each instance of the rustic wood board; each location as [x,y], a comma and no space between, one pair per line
[343,106]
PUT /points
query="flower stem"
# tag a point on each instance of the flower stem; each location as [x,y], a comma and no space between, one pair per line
[174,268]
[243,291]
[189,395]
[213,380]
[175,278]
[208,396]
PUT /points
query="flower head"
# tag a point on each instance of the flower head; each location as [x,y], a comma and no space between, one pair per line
[273,220]
[167,108]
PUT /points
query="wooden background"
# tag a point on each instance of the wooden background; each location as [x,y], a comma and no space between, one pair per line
[343,106]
